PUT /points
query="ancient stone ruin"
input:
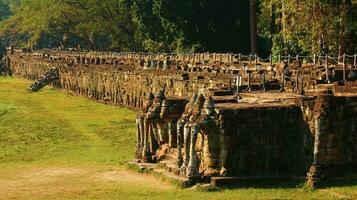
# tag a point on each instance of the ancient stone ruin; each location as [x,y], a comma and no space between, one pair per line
[219,117]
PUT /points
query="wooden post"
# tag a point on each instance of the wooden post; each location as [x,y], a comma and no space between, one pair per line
[249,89]
[256,59]
[230,83]
[355,60]
[271,59]
[263,74]
[326,69]
[240,58]
[250,58]
[237,83]
[282,82]
[344,67]
[279,58]
[289,60]
[314,59]
[297,82]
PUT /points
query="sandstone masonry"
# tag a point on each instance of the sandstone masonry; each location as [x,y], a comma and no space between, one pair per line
[216,116]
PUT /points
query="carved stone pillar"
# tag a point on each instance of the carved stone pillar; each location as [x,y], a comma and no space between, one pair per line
[181,136]
[321,126]
[163,133]
[172,131]
[152,120]
[146,148]
[179,129]
[192,168]
[225,141]
[138,139]
[186,146]
[153,137]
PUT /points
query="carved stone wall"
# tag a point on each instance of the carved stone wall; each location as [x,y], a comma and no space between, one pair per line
[332,122]
[191,122]
[114,83]
[268,141]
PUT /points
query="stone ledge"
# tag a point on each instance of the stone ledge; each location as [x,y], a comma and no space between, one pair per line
[154,168]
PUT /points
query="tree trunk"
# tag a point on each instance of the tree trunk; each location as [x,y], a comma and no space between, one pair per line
[284,25]
[92,41]
[342,28]
[253,26]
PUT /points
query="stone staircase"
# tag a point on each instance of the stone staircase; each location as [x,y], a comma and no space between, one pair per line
[168,168]
[169,163]
[45,79]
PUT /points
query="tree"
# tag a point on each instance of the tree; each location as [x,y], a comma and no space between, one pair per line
[253,26]
[5,12]
[308,26]
[293,27]
[187,25]
[42,22]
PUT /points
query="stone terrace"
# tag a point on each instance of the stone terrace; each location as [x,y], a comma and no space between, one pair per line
[220,117]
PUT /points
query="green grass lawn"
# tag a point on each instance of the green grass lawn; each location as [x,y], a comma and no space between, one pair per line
[58,146]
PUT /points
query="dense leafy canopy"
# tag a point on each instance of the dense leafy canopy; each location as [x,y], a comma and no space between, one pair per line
[43,23]
[187,25]
[4,14]
[284,26]
[310,26]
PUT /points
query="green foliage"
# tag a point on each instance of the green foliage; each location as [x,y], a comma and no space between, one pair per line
[5,12]
[293,27]
[188,26]
[86,22]
[308,26]
[149,25]
[4,9]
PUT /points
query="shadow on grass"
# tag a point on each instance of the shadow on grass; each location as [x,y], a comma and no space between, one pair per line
[346,178]
[267,184]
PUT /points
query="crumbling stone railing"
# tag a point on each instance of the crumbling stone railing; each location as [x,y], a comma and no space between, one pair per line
[292,73]
[195,58]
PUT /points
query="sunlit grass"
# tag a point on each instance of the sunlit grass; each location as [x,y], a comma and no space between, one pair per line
[50,125]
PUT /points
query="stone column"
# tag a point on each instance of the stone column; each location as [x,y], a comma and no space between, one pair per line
[321,126]
[192,168]
[140,136]
[225,141]
[138,139]
[154,138]
[146,148]
[186,146]
[179,130]
[163,133]
[172,134]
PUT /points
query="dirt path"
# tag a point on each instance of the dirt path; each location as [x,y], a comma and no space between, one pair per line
[43,182]
[335,194]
